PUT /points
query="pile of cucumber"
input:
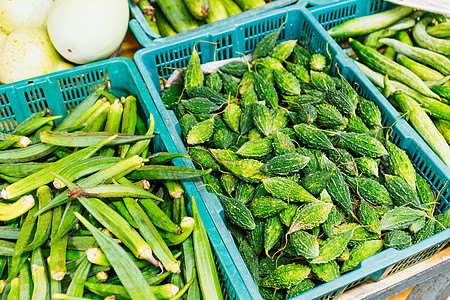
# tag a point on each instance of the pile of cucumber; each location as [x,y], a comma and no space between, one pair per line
[169,17]
[308,181]
[406,54]
[87,212]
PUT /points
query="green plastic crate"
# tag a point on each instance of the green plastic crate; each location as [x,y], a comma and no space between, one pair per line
[148,38]
[62,91]
[241,38]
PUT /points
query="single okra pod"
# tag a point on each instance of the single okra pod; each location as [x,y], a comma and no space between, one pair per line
[44,196]
[24,123]
[113,124]
[112,191]
[139,147]
[20,256]
[129,121]
[86,139]
[38,273]
[98,119]
[58,248]
[76,287]
[162,172]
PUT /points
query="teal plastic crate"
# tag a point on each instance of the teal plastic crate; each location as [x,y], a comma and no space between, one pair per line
[158,63]
[62,91]
[148,38]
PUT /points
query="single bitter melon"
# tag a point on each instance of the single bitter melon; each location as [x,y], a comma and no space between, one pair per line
[370,190]
[212,184]
[368,166]
[300,56]
[231,116]
[250,259]
[425,232]
[245,169]
[286,189]
[283,50]
[362,144]
[361,252]
[199,105]
[356,124]
[288,214]
[316,182]
[300,72]
[267,265]
[285,164]
[265,90]
[305,113]
[400,218]
[255,148]
[328,116]
[273,231]
[200,132]
[402,193]
[304,244]
[332,247]
[193,76]
[245,121]
[187,121]
[368,216]
[341,101]
[318,62]
[282,144]
[369,113]
[202,158]
[266,206]
[397,239]
[205,92]
[336,187]
[256,236]
[287,83]
[286,276]
[228,182]
[214,82]
[327,271]
[299,288]
[235,68]
[268,120]
[425,194]
[224,138]
[311,215]
[266,44]
[312,137]
[400,165]
[322,81]
[237,213]
[230,84]
[244,192]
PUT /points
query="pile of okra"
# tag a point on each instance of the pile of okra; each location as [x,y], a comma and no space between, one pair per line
[88,212]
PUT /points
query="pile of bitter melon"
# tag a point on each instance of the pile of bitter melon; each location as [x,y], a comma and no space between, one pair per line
[308,181]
